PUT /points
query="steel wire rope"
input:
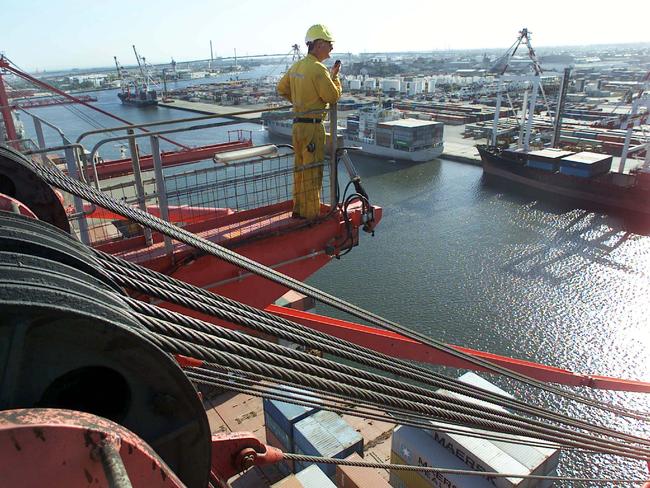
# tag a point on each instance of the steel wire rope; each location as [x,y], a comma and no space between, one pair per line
[302,362]
[66,183]
[71,108]
[485,421]
[209,329]
[186,319]
[369,410]
[23,74]
[452,405]
[68,107]
[195,302]
[463,472]
[230,383]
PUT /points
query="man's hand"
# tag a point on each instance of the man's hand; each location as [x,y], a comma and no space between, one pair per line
[334,72]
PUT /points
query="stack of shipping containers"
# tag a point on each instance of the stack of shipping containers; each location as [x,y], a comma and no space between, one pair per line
[408,134]
[437,448]
[325,434]
[305,430]
[279,420]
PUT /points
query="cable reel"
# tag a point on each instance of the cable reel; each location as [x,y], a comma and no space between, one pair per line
[18,180]
[68,341]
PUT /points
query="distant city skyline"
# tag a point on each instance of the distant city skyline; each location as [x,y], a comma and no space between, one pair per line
[44,35]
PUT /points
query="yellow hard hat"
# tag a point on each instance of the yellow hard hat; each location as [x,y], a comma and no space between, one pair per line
[318,31]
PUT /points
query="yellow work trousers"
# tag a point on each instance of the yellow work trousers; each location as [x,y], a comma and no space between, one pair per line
[307,182]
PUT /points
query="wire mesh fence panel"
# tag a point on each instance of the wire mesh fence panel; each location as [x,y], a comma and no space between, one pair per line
[220,202]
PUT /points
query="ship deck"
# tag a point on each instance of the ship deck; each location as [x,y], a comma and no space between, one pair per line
[213,109]
[229,228]
[236,412]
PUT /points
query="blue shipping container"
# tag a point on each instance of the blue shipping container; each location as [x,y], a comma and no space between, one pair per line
[282,436]
[284,467]
[545,165]
[581,172]
[326,434]
[284,414]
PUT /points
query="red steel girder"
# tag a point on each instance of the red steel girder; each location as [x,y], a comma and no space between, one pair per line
[396,345]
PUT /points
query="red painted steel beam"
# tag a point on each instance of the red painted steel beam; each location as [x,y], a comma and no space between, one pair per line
[6,109]
[396,345]
[68,449]
[120,167]
[177,213]
[4,63]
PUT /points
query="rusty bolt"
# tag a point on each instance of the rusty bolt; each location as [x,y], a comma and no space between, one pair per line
[247,461]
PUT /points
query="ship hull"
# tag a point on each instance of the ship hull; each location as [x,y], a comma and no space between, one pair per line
[279,130]
[372,149]
[601,192]
[390,153]
[137,102]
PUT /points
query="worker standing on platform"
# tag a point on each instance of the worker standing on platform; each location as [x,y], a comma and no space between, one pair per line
[310,87]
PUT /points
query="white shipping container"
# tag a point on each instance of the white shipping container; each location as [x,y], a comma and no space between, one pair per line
[355,84]
[537,460]
[415,447]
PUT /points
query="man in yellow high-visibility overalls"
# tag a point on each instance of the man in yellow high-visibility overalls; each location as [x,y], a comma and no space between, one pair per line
[309,86]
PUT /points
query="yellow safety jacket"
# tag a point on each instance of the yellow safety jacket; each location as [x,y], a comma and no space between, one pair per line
[308,86]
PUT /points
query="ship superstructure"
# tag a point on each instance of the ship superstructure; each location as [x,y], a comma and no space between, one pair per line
[381,131]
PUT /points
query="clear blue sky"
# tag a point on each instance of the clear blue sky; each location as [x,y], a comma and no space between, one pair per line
[50,34]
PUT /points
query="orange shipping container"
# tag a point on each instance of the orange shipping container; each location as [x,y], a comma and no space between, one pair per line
[355,477]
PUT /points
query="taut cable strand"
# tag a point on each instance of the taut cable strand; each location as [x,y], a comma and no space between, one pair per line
[58,179]
[431,469]
[159,289]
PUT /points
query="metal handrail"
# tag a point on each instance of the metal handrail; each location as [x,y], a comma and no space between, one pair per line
[49,124]
[196,119]
[100,143]
[96,147]
[92,158]
[72,150]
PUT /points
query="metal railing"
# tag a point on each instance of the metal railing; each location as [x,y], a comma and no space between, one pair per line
[186,195]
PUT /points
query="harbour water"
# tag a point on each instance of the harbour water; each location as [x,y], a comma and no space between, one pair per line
[487,268]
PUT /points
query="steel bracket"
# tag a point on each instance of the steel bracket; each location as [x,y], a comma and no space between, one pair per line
[235,452]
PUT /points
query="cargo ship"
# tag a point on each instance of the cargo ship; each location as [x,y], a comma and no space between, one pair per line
[280,123]
[138,95]
[585,177]
[381,131]
[136,90]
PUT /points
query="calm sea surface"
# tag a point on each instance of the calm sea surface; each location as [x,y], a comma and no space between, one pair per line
[483,267]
